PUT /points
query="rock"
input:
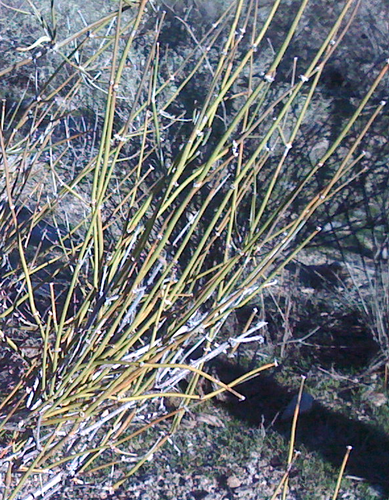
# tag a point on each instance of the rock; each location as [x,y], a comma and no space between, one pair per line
[233,482]
[305,406]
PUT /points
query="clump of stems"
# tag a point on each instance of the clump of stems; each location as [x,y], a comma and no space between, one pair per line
[170,240]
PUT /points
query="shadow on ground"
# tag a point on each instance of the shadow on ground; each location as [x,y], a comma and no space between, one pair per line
[322,430]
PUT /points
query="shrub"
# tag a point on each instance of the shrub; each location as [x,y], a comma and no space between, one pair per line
[174,212]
